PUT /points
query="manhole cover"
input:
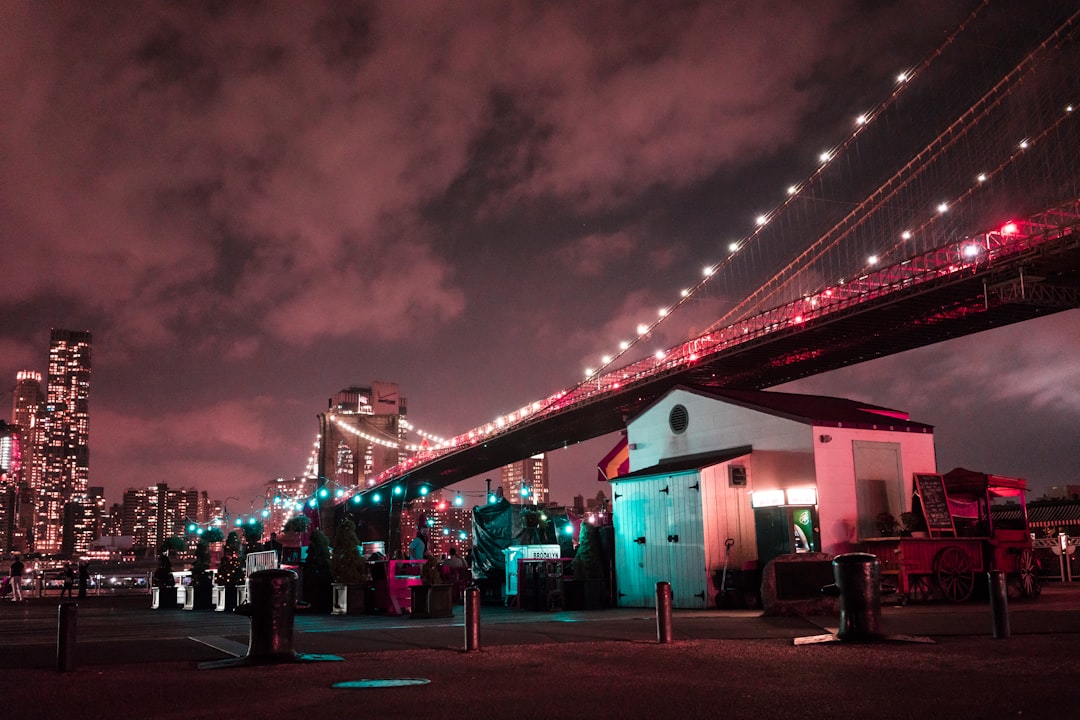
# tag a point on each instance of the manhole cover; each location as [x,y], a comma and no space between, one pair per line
[381,683]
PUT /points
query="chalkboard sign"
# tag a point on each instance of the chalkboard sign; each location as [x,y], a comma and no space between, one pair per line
[935,503]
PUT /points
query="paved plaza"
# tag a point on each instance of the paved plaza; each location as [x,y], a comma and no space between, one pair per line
[130,661]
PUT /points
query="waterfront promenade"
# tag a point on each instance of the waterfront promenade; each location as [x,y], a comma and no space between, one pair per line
[133,661]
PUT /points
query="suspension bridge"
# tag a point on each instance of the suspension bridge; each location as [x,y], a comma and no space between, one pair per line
[950,207]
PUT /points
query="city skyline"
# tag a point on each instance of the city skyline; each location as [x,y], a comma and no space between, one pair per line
[254,209]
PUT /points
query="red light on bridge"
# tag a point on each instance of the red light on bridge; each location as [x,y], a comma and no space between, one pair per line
[1010,228]
[798,319]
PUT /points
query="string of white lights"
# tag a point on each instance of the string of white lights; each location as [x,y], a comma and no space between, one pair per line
[429,436]
[902,81]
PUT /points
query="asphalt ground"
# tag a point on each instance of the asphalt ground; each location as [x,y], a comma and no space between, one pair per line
[130,661]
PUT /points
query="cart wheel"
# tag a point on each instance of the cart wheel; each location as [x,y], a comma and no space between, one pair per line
[920,589]
[954,573]
[1029,574]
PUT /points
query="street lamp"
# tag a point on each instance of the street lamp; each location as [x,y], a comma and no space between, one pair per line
[225,508]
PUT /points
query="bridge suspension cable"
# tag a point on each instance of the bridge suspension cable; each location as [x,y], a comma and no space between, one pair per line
[1013,135]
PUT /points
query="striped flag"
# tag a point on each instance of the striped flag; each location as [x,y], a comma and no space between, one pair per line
[615,463]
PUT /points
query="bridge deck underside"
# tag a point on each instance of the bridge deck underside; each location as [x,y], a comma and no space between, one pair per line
[906,318]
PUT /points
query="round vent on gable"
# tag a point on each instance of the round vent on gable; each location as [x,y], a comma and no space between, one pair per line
[679,419]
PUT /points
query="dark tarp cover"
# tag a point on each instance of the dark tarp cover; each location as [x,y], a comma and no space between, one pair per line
[499,525]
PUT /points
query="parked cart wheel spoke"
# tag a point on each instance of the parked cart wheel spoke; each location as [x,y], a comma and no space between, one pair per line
[955,574]
[1029,574]
[921,588]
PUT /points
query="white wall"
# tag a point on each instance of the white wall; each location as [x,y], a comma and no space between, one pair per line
[726,513]
[835,471]
[714,426]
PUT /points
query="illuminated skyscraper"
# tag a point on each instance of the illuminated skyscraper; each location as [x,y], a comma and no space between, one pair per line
[66,432]
[526,481]
[151,514]
[10,470]
[27,406]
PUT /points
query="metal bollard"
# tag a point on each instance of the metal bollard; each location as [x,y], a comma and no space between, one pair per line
[472,619]
[999,603]
[272,607]
[65,637]
[858,580]
[663,612]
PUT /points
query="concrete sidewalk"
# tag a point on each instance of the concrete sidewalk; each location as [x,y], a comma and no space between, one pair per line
[969,677]
[605,664]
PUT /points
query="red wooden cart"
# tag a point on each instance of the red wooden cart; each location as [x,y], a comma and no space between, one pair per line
[975,523]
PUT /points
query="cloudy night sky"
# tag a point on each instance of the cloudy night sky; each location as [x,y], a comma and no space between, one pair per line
[254,205]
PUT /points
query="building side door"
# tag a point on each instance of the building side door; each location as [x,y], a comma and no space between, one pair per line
[686,541]
[631,508]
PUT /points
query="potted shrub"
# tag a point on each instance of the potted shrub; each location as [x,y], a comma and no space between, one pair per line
[253,532]
[200,593]
[914,523]
[318,579]
[886,524]
[586,588]
[349,570]
[230,575]
[172,544]
[434,597]
[163,592]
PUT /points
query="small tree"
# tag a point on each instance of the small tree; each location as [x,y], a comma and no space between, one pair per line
[253,532]
[317,575]
[200,568]
[587,563]
[172,544]
[231,569]
[163,576]
[297,524]
[347,566]
[213,535]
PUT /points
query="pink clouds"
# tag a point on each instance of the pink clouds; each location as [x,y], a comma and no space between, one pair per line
[137,140]
[591,255]
[168,445]
[312,194]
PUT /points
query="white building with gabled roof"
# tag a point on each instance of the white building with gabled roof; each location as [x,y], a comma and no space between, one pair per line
[774,472]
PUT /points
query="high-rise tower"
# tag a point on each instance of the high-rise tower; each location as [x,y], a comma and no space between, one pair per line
[525,482]
[26,409]
[66,430]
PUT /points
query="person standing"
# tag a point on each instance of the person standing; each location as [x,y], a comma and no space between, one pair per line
[456,562]
[16,575]
[84,578]
[69,580]
[418,546]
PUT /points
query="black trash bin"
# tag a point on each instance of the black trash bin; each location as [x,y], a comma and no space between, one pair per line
[858,582]
[272,608]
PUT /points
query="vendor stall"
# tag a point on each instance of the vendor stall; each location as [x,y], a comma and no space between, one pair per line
[975,522]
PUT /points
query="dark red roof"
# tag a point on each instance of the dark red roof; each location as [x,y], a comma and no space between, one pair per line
[687,463]
[816,409]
